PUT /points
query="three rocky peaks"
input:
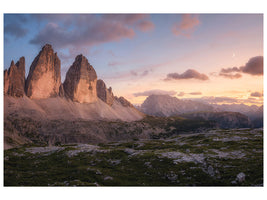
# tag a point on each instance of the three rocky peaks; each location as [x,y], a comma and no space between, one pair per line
[44,80]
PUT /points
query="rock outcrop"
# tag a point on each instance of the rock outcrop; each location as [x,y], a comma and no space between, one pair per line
[123,101]
[44,77]
[80,82]
[103,93]
[14,79]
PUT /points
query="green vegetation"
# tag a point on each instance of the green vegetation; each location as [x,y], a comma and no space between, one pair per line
[211,158]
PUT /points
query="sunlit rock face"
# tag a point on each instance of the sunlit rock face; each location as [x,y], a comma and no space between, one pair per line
[80,82]
[103,93]
[44,77]
[14,79]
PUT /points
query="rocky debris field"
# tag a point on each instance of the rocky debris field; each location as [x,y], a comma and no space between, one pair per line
[216,157]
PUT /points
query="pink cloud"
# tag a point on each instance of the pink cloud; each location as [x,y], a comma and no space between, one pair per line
[145,26]
[186,26]
[188,74]
[155,92]
[230,76]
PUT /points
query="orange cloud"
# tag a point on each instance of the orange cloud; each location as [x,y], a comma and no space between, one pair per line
[195,93]
[186,26]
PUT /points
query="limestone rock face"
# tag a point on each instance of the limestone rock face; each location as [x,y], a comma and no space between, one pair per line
[103,93]
[80,82]
[123,101]
[14,79]
[44,77]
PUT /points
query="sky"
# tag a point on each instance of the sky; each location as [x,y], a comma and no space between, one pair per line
[217,58]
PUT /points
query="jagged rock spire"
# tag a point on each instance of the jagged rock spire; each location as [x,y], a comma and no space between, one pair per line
[14,79]
[103,93]
[44,77]
[80,82]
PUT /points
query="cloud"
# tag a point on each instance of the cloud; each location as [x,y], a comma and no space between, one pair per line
[230,76]
[134,73]
[256,94]
[128,19]
[181,94]
[253,67]
[81,30]
[189,74]
[186,26]
[15,25]
[114,63]
[227,100]
[15,29]
[195,93]
[140,74]
[145,73]
[155,92]
[145,26]
[94,34]
[190,93]
[230,70]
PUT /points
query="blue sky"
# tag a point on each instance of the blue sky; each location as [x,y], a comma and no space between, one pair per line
[135,53]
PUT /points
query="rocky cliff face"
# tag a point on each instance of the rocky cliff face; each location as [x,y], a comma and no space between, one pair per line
[80,82]
[123,101]
[103,93]
[14,79]
[44,77]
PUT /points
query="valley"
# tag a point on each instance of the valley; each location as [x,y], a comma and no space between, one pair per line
[213,157]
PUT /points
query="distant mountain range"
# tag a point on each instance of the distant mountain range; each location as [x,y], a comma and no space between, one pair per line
[166,106]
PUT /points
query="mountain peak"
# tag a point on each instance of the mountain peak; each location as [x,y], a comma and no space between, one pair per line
[80,82]
[44,77]
[47,46]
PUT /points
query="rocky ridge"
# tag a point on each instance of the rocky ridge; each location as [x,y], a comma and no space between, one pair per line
[103,93]
[14,79]
[44,80]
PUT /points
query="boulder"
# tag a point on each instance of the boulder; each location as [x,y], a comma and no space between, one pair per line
[103,93]
[80,82]
[44,77]
[240,177]
[14,79]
